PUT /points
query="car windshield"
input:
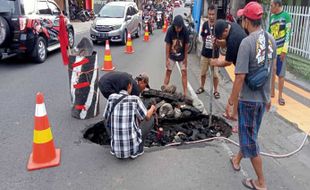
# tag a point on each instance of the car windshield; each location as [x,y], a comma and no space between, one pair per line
[28,6]
[7,6]
[112,11]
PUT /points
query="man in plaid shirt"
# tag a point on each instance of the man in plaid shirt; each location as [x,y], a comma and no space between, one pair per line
[127,133]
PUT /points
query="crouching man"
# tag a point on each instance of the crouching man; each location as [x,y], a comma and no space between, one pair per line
[128,121]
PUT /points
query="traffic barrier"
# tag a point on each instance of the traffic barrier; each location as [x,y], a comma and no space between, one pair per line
[83,81]
[107,63]
[129,49]
[43,154]
[165,26]
[146,34]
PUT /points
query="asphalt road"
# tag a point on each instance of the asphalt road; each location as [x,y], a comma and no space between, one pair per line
[85,165]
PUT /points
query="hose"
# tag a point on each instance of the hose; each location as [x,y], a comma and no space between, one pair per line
[236,144]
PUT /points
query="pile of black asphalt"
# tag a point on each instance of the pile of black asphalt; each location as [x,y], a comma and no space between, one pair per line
[177,120]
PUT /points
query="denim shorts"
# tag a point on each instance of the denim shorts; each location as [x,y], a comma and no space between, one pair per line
[250,116]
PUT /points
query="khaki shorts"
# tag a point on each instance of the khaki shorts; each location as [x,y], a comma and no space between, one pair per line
[172,64]
[205,63]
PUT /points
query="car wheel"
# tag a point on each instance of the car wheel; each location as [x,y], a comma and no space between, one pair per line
[124,40]
[4,31]
[71,37]
[138,34]
[39,53]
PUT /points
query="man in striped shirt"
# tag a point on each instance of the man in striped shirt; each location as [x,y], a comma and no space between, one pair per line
[280,28]
[129,122]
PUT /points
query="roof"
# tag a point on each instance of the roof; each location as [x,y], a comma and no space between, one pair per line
[121,3]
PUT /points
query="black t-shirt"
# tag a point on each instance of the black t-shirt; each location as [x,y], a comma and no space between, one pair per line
[177,41]
[206,34]
[114,82]
[233,41]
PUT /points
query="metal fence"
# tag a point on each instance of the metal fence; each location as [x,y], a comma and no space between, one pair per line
[300,39]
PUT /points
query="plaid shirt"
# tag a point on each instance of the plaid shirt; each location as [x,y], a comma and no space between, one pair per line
[126,136]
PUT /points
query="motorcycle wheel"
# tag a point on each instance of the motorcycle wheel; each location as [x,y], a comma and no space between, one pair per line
[82,18]
[190,46]
[150,28]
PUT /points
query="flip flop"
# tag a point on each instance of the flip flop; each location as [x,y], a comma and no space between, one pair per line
[233,166]
[281,102]
[250,184]
[217,95]
[199,90]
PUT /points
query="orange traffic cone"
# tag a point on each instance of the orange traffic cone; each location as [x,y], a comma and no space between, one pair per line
[129,48]
[165,26]
[43,154]
[146,34]
[107,60]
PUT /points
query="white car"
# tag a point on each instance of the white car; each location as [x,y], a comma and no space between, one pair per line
[115,20]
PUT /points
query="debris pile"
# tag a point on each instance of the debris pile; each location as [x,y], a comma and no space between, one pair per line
[177,119]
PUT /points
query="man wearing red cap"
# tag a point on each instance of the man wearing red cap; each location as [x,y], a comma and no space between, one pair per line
[252,103]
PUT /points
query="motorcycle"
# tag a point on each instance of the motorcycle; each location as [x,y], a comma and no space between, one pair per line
[159,19]
[90,14]
[168,17]
[78,13]
[149,23]
[190,26]
[148,20]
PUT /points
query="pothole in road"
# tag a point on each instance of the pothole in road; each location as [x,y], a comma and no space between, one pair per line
[169,131]
[177,121]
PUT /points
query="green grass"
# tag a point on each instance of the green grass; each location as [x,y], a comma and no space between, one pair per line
[299,66]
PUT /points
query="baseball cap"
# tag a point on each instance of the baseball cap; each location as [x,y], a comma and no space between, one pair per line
[252,10]
[178,21]
[143,77]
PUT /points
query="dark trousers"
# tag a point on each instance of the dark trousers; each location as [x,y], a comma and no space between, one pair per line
[146,127]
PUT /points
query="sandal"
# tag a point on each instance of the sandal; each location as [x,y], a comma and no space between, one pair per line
[199,90]
[281,102]
[250,184]
[233,165]
[216,95]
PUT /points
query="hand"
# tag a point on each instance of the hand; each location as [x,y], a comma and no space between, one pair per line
[283,56]
[214,62]
[153,108]
[268,106]
[229,108]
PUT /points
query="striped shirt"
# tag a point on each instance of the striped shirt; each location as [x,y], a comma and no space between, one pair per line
[280,29]
[126,136]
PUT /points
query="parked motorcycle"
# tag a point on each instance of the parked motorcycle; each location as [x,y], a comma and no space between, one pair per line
[148,20]
[90,14]
[190,25]
[78,13]
[159,19]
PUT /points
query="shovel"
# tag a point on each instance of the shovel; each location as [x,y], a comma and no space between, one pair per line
[211,71]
